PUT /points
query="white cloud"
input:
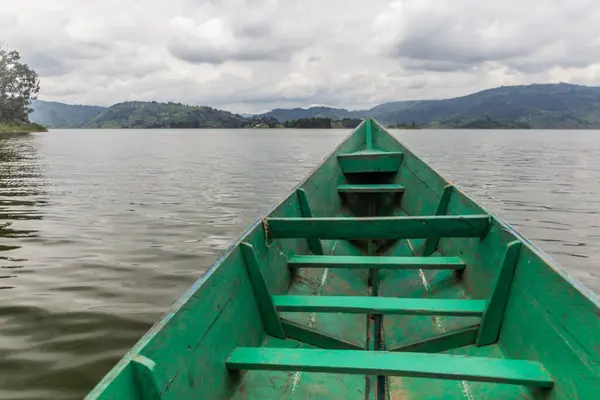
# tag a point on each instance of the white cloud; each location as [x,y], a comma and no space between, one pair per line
[253,55]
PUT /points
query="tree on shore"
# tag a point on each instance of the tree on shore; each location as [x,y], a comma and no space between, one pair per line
[19,84]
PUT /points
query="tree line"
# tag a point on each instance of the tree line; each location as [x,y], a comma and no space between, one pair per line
[19,84]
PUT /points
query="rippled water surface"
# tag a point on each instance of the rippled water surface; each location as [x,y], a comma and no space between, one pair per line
[101,231]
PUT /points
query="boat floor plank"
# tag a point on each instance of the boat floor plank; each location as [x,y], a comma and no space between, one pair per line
[350,328]
[259,385]
[430,388]
[399,330]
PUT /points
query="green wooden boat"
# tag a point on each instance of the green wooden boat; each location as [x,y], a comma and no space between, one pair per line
[374,279]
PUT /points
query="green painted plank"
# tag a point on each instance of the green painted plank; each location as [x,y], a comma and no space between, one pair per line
[314,243]
[368,135]
[307,261]
[494,312]
[370,161]
[379,305]
[281,385]
[261,293]
[144,377]
[433,389]
[443,342]
[379,227]
[309,336]
[381,188]
[432,242]
[339,282]
[441,366]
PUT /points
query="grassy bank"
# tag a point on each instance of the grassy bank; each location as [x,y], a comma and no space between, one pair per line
[23,128]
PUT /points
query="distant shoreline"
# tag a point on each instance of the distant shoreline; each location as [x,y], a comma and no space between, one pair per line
[22,128]
[320,128]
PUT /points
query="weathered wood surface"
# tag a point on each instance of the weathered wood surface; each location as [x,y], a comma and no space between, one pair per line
[494,312]
[302,261]
[442,342]
[310,336]
[442,366]
[368,135]
[401,387]
[143,375]
[314,243]
[379,227]
[350,328]
[379,305]
[371,188]
[370,160]
[262,296]
[265,385]
[432,242]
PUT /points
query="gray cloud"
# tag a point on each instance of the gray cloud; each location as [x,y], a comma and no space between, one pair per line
[219,40]
[256,30]
[47,65]
[529,37]
[199,53]
[252,55]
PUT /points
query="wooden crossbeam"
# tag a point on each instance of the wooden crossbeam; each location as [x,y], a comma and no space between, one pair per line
[358,362]
[374,188]
[432,242]
[379,305]
[302,261]
[494,312]
[314,244]
[380,227]
[263,298]
[370,160]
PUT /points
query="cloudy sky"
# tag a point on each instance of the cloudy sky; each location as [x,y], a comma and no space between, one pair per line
[254,55]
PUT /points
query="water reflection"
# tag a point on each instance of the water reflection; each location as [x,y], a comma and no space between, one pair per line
[21,199]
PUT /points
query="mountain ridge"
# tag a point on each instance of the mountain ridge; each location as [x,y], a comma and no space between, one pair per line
[53,114]
[546,106]
[541,106]
[152,114]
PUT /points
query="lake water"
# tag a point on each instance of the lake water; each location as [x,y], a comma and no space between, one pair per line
[103,230]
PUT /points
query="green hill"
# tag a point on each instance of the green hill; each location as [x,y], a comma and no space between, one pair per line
[542,106]
[59,115]
[284,115]
[476,123]
[546,106]
[138,114]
